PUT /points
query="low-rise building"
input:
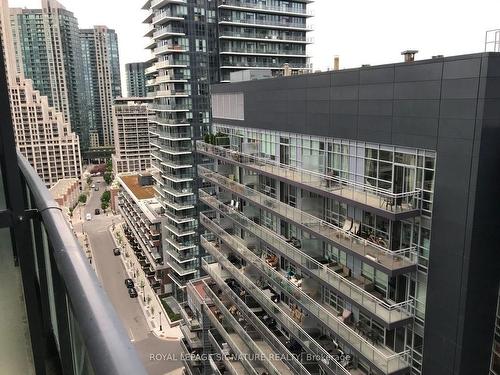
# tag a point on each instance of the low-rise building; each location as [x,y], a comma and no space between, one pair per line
[66,192]
[143,219]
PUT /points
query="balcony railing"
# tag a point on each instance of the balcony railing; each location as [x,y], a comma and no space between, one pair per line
[291,360]
[380,199]
[281,316]
[326,316]
[255,21]
[367,250]
[90,336]
[266,358]
[261,6]
[387,312]
[387,363]
[233,366]
[261,51]
[263,64]
[238,347]
[253,35]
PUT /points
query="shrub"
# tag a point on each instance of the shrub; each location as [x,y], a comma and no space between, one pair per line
[82,198]
[171,315]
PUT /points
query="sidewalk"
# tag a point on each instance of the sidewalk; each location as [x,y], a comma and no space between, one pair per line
[77,223]
[148,299]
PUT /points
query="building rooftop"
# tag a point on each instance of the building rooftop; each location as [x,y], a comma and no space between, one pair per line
[62,186]
[140,192]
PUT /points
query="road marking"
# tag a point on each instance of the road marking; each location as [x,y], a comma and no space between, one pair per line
[132,339]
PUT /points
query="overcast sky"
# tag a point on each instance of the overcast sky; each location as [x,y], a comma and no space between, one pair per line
[359,31]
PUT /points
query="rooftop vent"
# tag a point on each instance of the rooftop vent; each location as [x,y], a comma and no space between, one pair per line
[409,55]
[336,63]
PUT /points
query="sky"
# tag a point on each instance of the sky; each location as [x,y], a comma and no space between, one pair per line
[358,31]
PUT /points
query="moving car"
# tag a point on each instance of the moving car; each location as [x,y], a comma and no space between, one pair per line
[88,217]
[116,251]
[129,283]
[93,186]
[132,292]
[96,188]
[97,211]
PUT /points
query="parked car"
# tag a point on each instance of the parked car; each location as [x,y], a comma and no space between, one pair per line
[116,251]
[88,217]
[93,186]
[129,283]
[96,188]
[97,211]
[132,292]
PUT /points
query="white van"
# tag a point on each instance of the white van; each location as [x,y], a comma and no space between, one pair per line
[88,217]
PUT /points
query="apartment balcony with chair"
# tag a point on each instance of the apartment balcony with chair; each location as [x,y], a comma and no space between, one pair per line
[230,314]
[231,364]
[395,206]
[292,356]
[306,298]
[380,356]
[390,261]
[282,317]
[330,274]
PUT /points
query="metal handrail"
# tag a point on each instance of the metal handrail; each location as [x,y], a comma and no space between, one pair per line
[211,175]
[282,281]
[106,341]
[335,179]
[405,306]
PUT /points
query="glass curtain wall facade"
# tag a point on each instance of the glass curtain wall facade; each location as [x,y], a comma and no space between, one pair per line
[337,232]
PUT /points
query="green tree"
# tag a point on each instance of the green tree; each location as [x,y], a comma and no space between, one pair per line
[108,177]
[106,196]
[82,198]
[104,205]
[109,165]
[89,180]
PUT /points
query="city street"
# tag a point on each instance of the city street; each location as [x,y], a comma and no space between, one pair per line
[111,273]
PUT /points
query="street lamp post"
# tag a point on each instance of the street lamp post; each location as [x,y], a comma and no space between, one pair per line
[161,329]
[143,295]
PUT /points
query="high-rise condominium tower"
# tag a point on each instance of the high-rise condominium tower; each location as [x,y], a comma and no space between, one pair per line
[136,79]
[101,67]
[185,60]
[48,52]
[42,133]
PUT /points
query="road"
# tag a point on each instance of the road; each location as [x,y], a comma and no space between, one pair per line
[111,273]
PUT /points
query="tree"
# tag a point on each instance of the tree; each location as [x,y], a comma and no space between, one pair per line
[82,198]
[109,165]
[89,180]
[108,178]
[105,199]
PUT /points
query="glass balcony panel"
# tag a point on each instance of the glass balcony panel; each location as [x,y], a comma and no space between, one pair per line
[380,199]
[355,293]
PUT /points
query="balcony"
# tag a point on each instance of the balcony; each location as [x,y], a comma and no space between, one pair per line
[238,346]
[247,333]
[236,4]
[265,23]
[191,337]
[385,360]
[391,262]
[233,366]
[174,107]
[225,34]
[307,298]
[282,317]
[226,64]
[50,293]
[260,321]
[160,3]
[350,288]
[189,317]
[394,206]
[228,50]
